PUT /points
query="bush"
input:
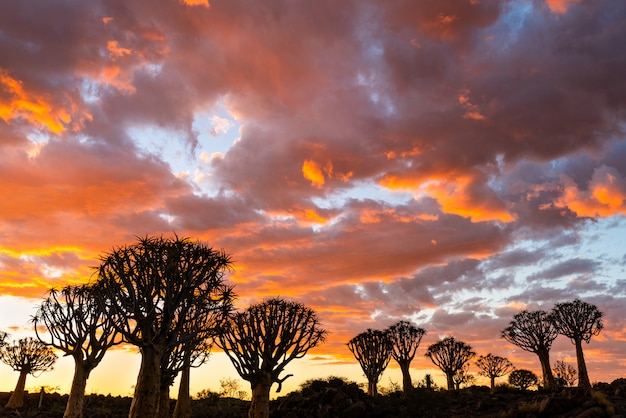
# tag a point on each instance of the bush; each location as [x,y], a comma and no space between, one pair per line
[522,379]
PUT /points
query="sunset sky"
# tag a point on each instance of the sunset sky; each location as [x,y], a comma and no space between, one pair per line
[446,162]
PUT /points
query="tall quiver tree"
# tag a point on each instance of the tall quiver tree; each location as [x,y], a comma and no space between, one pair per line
[494,366]
[372,349]
[578,321]
[534,331]
[450,356]
[262,339]
[405,338]
[26,356]
[151,289]
[77,326]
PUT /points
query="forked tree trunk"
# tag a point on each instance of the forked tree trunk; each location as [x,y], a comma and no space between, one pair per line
[583,377]
[146,396]
[183,403]
[407,384]
[260,404]
[17,397]
[76,400]
[548,378]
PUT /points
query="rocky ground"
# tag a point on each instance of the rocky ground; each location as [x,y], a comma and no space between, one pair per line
[336,398]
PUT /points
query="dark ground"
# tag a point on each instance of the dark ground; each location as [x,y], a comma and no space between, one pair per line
[336,398]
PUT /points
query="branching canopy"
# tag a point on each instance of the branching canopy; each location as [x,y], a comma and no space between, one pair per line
[373,350]
[151,289]
[531,331]
[450,355]
[577,320]
[494,366]
[266,336]
[28,355]
[76,325]
[405,338]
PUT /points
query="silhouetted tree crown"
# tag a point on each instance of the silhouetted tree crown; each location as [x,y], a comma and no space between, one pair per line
[450,356]
[578,321]
[405,339]
[373,350]
[152,289]
[522,379]
[493,367]
[262,339]
[534,331]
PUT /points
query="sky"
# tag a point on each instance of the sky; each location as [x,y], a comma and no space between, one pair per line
[448,163]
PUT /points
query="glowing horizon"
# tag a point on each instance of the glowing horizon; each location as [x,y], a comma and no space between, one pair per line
[448,163]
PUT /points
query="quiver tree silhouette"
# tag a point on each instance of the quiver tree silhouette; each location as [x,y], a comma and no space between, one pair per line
[493,366]
[151,290]
[262,339]
[26,356]
[565,373]
[450,356]
[405,338]
[578,321]
[534,331]
[372,349]
[522,379]
[77,326]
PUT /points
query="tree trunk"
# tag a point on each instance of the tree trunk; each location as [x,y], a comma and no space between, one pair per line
[548,378]
[146,396]
[260,405]
[17,397]
[450,379]
[583,377]
[164,400]
[372,389]
[493,382]
[407,384]
[183,403]
[76,400]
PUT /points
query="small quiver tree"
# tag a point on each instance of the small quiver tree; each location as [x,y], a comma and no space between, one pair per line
[262,339]
[77,326]
[493,366]
[405,338]
[578,321]
[450,356]
[26,356]
[534,331]
[151,289]
[522,379]
[372,349]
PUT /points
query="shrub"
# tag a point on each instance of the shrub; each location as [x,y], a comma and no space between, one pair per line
[522,379]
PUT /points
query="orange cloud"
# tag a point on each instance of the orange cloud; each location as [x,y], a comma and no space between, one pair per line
[560,6]
[204,3]
[115,51]
[312,172]
[16,102]
[606,195]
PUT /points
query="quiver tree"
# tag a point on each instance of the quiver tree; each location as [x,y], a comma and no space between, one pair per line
[77,326]
[405,338]
[26,356]
[578,321]
[450,356]
[151,290]
[262,339]
[372,349]
[493,366]
[534,332]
